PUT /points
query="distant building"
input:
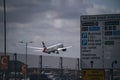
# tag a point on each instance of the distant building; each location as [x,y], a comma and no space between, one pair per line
[100,40]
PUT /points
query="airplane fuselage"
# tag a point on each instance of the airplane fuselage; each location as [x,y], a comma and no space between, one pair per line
[53,48]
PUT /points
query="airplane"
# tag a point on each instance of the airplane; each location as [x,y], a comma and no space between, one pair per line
[51,49]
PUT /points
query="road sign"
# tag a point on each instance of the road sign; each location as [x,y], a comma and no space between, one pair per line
[100,40]
[4,62]
[24,69]
[93,74]
[91,46]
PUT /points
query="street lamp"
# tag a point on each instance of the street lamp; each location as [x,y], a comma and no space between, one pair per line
[26,44]
[114,62]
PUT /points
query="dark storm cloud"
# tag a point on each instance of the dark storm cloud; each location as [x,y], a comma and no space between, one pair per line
[22,10]
[51,21]
[68,9]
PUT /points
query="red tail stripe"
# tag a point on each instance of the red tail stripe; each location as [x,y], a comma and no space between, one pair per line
[44,49]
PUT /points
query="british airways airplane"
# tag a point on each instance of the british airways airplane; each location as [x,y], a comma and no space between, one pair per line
[51,49]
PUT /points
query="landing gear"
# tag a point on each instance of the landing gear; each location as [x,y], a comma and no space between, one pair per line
[48,52]
[53,51]
[57,52]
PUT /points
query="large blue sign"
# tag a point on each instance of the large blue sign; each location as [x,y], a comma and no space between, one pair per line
[84,35]
[84,42]
[116,33]
[93,28]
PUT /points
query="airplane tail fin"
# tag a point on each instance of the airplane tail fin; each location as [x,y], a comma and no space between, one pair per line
[43,44]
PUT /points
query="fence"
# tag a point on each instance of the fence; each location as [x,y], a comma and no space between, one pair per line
[51,65]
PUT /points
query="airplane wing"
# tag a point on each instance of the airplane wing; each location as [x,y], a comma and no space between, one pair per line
[64,48]
[37,48]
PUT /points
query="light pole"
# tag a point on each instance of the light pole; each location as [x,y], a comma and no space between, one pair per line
[114,62]
[26,44]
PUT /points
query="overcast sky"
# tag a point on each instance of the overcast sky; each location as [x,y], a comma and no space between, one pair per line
[51,21]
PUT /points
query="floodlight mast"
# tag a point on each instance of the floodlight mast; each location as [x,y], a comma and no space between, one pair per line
[4,17]
[26,44]
[4,2]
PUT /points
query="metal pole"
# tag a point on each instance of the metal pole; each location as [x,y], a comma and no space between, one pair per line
[26,59]
[78,64]
[61,66]
[40,63]
[114,62]
[4,27]
[112,71]
[15,65]
[26,52]
[4,2]
[78,67]
[91,64]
